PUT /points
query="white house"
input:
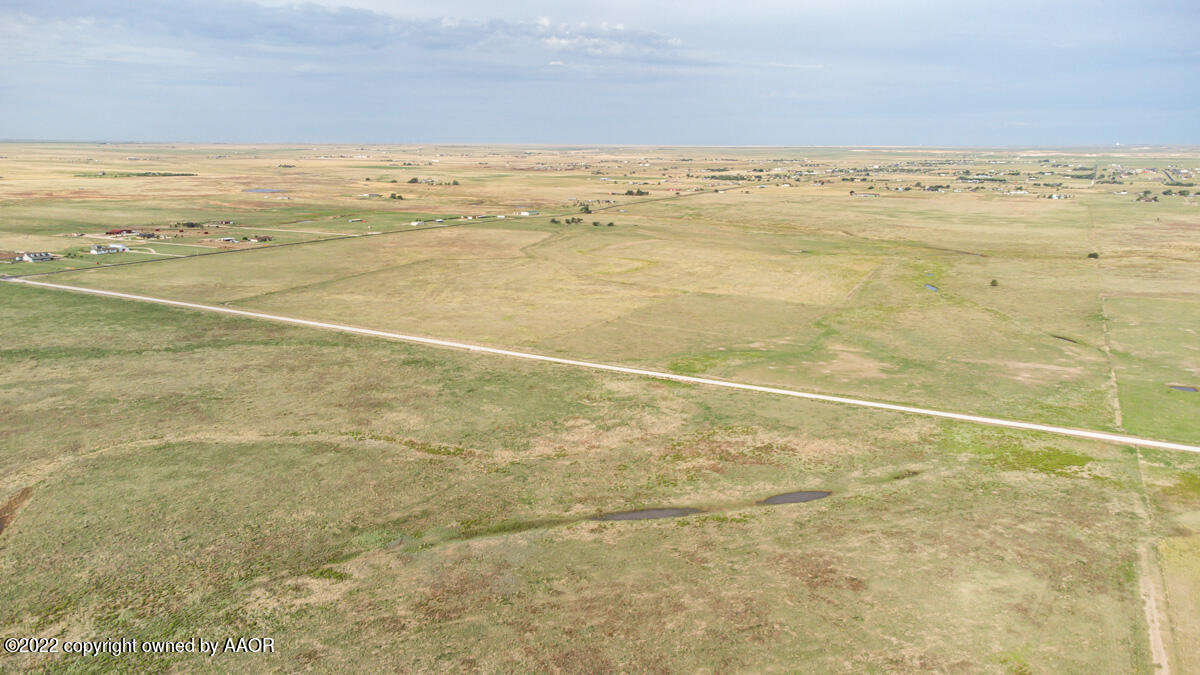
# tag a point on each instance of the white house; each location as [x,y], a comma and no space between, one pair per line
[101,249]
[34,257]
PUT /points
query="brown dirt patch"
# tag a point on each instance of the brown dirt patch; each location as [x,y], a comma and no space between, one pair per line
[819,571]
[1042,373]
[461,587]
[295,592]
[735,445]
[8,512]
[850,364]
[580,435]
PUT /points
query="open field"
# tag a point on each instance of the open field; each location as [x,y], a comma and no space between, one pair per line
[372,504]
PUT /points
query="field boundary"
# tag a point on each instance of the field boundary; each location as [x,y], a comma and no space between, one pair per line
[1088,434]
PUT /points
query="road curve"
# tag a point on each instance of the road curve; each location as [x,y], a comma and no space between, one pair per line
[862,403]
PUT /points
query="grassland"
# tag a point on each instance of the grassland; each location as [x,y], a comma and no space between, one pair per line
[374,505]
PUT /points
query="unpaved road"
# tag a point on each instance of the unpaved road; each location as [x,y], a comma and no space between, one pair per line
[1104,436]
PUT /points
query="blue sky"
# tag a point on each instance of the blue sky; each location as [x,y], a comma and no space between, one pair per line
[701,72]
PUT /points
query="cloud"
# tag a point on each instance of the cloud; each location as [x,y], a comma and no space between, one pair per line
[314,28]
[704,71]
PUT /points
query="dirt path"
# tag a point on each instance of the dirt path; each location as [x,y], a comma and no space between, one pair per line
[1089,434]
[8,511]
[1114,392]
[1151,588]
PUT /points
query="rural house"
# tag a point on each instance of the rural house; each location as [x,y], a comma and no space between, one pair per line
[101,249]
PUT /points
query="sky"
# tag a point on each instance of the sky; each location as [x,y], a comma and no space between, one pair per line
[665,72]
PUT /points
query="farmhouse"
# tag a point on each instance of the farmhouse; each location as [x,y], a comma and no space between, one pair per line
[34,257]
[101,249]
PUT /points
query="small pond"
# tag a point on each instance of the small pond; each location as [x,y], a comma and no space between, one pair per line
[795,497]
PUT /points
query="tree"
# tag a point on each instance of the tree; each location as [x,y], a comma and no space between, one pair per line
[995,283]
[585,209]
[1093,255]
[414,179]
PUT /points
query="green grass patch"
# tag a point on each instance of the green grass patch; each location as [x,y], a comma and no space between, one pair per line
[1187,487]
[1046,460]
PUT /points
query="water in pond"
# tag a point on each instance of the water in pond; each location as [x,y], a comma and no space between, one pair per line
[931,287]
[1182,387]
[263,190]
[647,514]
[795,497]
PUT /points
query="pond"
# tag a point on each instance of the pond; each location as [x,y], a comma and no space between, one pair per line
[796,497]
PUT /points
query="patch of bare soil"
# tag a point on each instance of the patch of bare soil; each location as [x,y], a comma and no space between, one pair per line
[850,363]
[819,571]
[747,446]
[8,512]
[1041,373]
[461,587]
